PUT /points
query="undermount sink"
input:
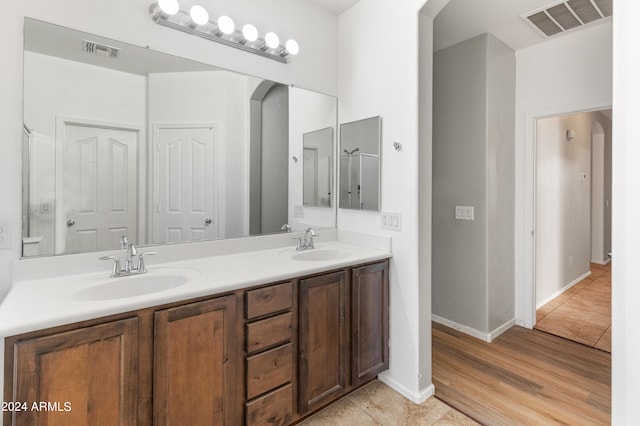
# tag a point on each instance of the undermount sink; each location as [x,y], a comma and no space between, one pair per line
[321,254]
[136,285]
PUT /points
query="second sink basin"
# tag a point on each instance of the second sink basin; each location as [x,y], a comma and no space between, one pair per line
[322,254]
[136,285]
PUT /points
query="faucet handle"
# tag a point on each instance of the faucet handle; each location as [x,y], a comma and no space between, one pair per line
[141,268]
[286,227]
[124,242]
[115,270]
[309,242]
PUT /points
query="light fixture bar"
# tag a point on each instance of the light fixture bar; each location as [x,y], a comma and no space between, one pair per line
[182,21]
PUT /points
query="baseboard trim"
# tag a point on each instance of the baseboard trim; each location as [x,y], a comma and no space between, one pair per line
[504,327]
[416,398]
[601,262]
[487,337]
[562,290]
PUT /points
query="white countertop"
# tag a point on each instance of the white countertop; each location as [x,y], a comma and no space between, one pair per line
[48,302]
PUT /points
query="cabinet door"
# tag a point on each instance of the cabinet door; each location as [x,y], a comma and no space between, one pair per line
[195,364]
[323,340]
[84,377]
[369,322]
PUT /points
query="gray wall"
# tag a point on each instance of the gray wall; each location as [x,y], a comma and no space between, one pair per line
[563,200]
[275,159]
[500,181]
[473,151]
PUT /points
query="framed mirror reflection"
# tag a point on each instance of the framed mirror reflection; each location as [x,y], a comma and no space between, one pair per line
[317,167]
[121,140]
[360,164]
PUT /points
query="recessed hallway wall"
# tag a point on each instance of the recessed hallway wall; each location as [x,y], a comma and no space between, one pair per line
[563,200]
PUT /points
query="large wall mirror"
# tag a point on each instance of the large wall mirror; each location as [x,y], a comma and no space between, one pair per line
[360,164]
[123,140]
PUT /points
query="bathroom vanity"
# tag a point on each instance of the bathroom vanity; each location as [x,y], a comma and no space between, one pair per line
[270,346]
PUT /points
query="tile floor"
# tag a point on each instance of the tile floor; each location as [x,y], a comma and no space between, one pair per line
[582,313]
[377,404]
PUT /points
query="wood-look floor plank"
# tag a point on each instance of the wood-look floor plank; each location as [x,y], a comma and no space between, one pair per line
[524,377]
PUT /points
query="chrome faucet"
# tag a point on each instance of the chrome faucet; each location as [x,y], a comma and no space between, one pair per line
[132,252]
[305,242]
[129,267]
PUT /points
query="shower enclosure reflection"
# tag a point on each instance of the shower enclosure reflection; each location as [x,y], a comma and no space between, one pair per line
[360,164]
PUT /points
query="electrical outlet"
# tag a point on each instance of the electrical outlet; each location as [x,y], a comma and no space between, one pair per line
[464,213]
[391,220]
[5,235]
[298,210]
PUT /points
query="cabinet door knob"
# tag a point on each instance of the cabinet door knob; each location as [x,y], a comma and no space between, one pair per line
[208,221]
[71,222]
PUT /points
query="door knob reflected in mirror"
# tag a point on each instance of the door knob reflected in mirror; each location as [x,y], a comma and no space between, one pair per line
[71,222]
[208,221]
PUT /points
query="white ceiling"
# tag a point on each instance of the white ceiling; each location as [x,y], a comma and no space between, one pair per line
[463,19]
[335,6]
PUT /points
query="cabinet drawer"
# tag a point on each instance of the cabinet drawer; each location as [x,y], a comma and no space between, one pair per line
[269,332]
[269,370]
[274,409]
[268,300]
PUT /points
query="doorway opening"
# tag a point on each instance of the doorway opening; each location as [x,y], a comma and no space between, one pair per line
[573,227]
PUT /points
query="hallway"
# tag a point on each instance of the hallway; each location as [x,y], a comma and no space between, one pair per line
[582,313]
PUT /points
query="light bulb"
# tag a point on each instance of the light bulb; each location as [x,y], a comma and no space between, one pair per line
[249,33]
[226,25]
[170,7]
[272,41]
[292,47]
[199,15]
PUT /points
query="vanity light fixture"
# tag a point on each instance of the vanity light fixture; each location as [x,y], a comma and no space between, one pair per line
[199,15]
[249,34]
[223,30]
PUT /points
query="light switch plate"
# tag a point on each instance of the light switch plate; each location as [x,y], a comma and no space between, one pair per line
[391,220]
[464,213]
[5,234]
[298,210]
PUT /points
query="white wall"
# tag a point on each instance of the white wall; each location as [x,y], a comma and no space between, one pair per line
[58,87]
[127,20]
[379,76]
[626,227]
[308,112]
[563,202]
[569,74]
[601,189]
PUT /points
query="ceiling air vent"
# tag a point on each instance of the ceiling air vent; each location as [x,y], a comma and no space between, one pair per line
[563,16]
[99,49]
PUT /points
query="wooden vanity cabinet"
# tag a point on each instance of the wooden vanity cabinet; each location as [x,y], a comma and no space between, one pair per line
[369,322]
[270,361]
[323,340]
[86,376]
[269,355]
[177,365]
[195,357]
[344,332]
